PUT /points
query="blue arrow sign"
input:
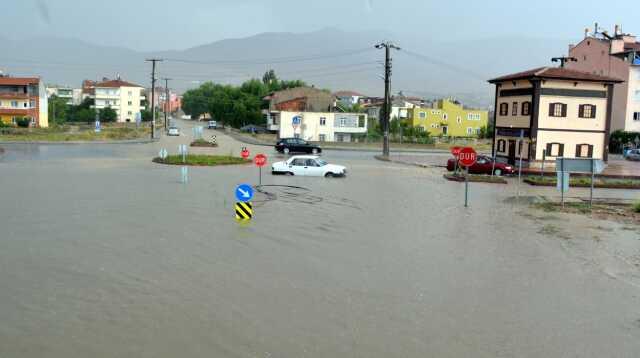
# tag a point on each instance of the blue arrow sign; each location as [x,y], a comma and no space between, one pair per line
[296,120]
[244,192]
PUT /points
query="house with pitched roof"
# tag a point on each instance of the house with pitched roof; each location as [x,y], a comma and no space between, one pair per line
[551,112]
[122,96]
[23,97]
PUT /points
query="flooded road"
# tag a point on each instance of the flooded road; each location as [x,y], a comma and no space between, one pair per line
[103,254]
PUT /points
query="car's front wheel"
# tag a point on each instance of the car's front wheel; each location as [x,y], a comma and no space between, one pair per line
[329,175]
[497,172]
[314,151]
[285,150]
[290,173]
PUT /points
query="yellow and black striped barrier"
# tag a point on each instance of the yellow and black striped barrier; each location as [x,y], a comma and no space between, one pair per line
[244,211]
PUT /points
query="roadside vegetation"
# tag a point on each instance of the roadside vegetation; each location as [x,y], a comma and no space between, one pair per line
[460,177]
[586,182]
[636,207]
[201,160]
[602,210]
[68,133]
[203,143]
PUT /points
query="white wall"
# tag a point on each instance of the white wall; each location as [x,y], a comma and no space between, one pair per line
[312,128]
[633,100]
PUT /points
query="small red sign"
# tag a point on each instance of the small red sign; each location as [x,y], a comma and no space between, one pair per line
[244,153]
[260,160]
[456,151]
[467,156]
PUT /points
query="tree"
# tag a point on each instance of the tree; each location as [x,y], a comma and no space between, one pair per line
[85,115]
[269,78]
[58,109]
[107,114]
[23,122]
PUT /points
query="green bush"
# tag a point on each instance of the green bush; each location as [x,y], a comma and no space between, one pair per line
[621,138]
[636,207]
[5,125]
[23,122]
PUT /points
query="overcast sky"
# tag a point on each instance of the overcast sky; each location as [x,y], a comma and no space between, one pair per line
[160,25]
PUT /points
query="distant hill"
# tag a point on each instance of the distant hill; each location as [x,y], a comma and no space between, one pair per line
[327,58]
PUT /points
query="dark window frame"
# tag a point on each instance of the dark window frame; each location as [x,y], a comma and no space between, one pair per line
[514,109]
[526,108]
[553,107]
[582,109]
[501,145]
[579,150]
[504,109]
[550,147]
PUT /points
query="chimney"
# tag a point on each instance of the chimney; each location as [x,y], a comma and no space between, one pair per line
[586,32]
[616,30]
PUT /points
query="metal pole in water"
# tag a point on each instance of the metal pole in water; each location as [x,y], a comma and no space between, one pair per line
[562,180]
[544,157]
[260,176]
[592,184]
[466,189]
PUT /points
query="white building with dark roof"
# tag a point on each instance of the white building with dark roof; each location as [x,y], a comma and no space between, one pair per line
[124,97]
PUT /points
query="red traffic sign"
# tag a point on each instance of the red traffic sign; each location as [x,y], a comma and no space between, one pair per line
[244,153]
[467,156]
[456,151]
[260,160]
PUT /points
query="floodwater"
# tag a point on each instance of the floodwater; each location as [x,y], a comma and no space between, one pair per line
[105,254]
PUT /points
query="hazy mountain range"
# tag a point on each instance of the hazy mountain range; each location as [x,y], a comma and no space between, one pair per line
[328,58]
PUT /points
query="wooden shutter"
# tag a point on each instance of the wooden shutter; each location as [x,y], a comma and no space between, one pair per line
[551,109]
[590,154]
[564,110]
[549,149]
[561,151]
[581,111]
[593,111]
[578,149]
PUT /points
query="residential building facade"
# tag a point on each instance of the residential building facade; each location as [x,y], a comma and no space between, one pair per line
[448,118]
[348,98]
[73,96]
[123,97]
[23,97]
[558,112]
[617,56]
[302,99]
[318,126]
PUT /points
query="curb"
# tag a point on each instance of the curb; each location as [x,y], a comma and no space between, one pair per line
[132,141]
[413,164]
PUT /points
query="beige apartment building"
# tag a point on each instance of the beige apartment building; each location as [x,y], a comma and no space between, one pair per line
[123,97]
[559,112]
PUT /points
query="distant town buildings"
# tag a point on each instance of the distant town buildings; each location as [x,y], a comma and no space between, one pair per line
[301,99]
[123,97]
[448,118]
[616,55]
[73,96]
[348,98]
[23,97]
[558,111]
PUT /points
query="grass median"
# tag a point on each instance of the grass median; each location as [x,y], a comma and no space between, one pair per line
[67,134]
[585,182]
[201,160]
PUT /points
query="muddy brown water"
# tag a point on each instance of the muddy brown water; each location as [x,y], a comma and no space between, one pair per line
[105,254]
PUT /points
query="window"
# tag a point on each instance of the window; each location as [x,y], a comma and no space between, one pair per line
[584,57]
[459,119]
[322,137]
[587,111]
[130,103]
[311,163]
[636,116]
[501,145]
[323,121]
[473,117]
[422,115]
[32,103]
[557,110]
[526,108]
[636,96]
[584,150]
[515,109]
[445,130]
[299,162]
[445,116]
[555,149]
[129,113]
[14,104]
[477,131]
[504,109]
[469,131]
[14,120]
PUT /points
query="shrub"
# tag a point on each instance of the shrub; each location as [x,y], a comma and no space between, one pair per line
[23,122]
[621,138]
[5,125]
[636,207]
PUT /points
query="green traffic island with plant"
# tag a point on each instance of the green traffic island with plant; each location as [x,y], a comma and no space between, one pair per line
[616,211]
[460,177]
[203,143]
[203,160]
[585,182]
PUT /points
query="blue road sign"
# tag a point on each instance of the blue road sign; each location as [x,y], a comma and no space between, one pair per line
[244,192]
[296,120]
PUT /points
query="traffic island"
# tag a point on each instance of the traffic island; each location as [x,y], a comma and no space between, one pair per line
[203,143]
[476,178]
[201,160]
[585,182]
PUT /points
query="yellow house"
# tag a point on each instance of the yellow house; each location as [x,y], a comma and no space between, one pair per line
[448,118]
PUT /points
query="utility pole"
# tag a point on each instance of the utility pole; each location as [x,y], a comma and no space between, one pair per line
[387,89]
[166,100]
[153,94]
[564,60]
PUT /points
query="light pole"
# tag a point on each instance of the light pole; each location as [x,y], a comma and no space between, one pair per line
[387,88]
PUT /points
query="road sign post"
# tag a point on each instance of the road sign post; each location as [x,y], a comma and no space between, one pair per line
[243,207]
[467,158]
[544,158]
[593,176]
[244,153]
[163,153]
[260,160]
[182,149]
[455,151]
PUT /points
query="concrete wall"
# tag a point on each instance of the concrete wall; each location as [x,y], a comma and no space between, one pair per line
[312,128]
[633,100]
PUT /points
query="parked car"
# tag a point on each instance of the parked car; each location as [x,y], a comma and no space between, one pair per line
[633,154]
[212,125]
[296,145]
[173,131]
[308,165]
[484,165]
[253,129]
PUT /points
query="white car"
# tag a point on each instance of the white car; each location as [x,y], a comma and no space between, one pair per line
[173,131]
[308,165]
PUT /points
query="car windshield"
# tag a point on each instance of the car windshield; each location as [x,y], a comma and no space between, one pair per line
[321,162]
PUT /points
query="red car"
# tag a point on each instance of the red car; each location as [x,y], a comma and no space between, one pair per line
[484,165]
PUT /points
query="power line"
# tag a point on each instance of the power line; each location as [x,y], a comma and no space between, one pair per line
[443,64]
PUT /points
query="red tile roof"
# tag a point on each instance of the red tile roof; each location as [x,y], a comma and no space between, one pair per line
[19,81]
[116,84]
[348,93]
[555,73]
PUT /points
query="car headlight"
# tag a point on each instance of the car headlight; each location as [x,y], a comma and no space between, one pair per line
[508,167]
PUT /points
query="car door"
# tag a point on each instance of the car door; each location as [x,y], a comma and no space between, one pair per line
[480,167]
[312,168]
[297,166]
